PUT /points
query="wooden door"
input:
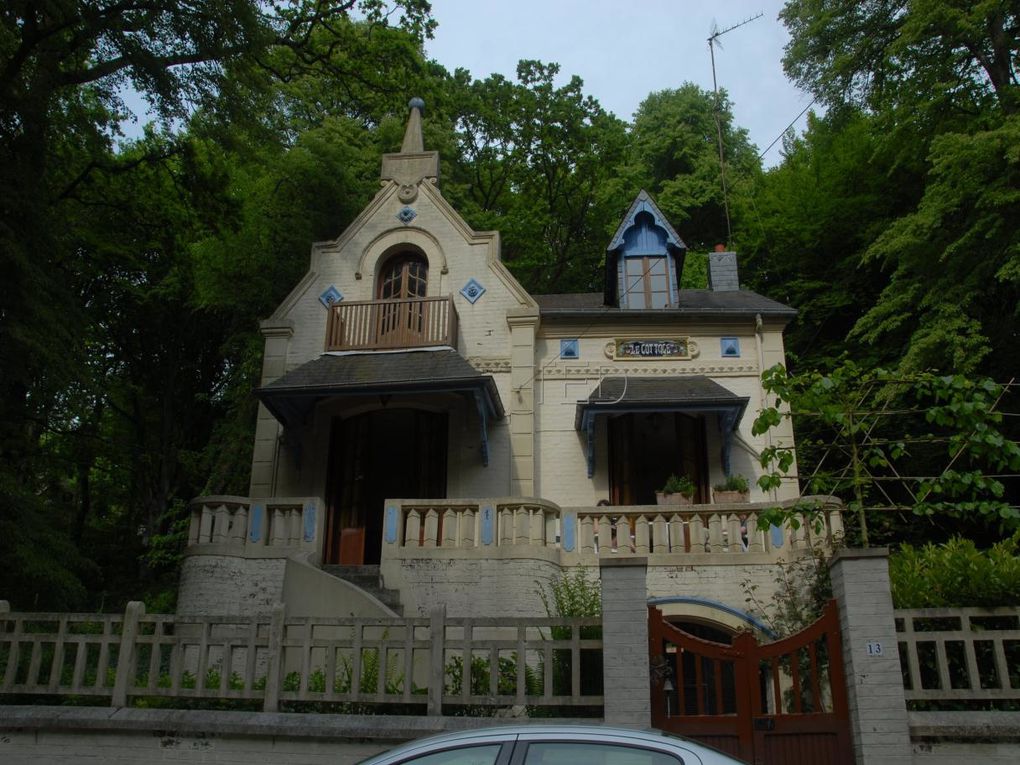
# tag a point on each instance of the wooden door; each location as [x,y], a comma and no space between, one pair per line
[383,454]
[402,283]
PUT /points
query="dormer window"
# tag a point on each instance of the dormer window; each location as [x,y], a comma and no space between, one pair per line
[644,260]
[646,282]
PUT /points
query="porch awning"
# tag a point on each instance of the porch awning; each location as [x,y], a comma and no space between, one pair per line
[291,398]
[691,395]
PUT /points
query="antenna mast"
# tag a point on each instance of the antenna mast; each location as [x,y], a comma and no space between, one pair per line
[713,40]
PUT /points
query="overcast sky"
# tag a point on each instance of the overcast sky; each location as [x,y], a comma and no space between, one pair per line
[624,51]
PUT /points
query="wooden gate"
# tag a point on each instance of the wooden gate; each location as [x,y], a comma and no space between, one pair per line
[781,703]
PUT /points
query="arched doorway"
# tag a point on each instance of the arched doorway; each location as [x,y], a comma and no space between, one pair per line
[384,453]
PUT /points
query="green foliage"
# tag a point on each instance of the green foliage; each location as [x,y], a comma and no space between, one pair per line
[675,156]
[733,482]
[803,587]
[539,163]
[926,443]
[506,678]
[576,592]
[956,574]
[679,485]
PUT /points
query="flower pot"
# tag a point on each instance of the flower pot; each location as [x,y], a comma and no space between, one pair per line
[676,498]
[723,497]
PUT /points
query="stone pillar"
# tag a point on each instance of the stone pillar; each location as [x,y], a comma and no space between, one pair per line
[267,429]
[523,325]
[626,679]
[878,711]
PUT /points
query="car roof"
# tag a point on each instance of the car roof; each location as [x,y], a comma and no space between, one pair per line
[542,730]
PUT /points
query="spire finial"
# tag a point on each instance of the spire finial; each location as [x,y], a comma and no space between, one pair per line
[413,143]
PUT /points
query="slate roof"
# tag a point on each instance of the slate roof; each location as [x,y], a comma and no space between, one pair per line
[656,390]
[291,396]
[693,303]
[619,394]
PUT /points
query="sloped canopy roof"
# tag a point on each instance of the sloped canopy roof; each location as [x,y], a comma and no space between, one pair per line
[626,395]
[290,398]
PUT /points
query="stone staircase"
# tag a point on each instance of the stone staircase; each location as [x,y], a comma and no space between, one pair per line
[366,578]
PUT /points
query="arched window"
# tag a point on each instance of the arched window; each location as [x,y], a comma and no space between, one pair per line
[405,275]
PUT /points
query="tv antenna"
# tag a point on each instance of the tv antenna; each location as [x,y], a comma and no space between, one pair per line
[713,40]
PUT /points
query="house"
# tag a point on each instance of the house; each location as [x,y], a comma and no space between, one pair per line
[429,432]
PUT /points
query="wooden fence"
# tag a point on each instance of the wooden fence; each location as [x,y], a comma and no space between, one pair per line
[959,655]
[425,665]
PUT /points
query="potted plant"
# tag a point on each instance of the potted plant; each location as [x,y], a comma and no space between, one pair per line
[734,489]
[679,490]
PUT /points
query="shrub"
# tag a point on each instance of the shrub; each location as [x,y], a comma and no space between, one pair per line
[956,574]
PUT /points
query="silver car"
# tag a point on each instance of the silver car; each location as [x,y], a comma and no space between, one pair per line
[552,745]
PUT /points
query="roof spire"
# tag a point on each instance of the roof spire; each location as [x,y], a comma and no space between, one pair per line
[413,143]
[412,164]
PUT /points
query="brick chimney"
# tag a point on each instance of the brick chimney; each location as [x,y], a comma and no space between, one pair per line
[722,270]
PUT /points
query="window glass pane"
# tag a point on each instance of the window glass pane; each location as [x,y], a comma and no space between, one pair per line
[635,282]
[566,753]
[465,755]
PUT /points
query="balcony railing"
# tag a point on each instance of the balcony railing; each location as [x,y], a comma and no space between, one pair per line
[671,534]
[378,324]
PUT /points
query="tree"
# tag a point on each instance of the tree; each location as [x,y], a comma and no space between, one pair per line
[812,217]
[923,443]
[113,368]
[537,162]
[922,98]
[675,156]
[926,54]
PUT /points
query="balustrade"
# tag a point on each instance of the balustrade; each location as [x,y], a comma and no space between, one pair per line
[260,527]
[407,323]
[697,530]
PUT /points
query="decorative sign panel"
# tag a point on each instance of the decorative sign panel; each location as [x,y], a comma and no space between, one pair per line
[652,348]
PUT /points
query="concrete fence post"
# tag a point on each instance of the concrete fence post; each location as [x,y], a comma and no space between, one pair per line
[271,703]
[625,674]
[5,606]
[878,710]
[437,660]
[126,653]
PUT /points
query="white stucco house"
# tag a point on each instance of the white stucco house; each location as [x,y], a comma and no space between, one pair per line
[430,432]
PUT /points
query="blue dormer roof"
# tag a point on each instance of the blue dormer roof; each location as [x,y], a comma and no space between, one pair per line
[644,204]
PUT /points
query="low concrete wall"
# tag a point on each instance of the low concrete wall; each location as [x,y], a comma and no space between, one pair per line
[472,583]
[977,738]
[229,585]
[34,735]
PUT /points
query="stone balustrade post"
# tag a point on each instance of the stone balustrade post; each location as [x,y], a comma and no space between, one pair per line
[437,660]
[274,649]
[126,653]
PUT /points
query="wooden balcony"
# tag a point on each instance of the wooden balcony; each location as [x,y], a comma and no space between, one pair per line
[391,324]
